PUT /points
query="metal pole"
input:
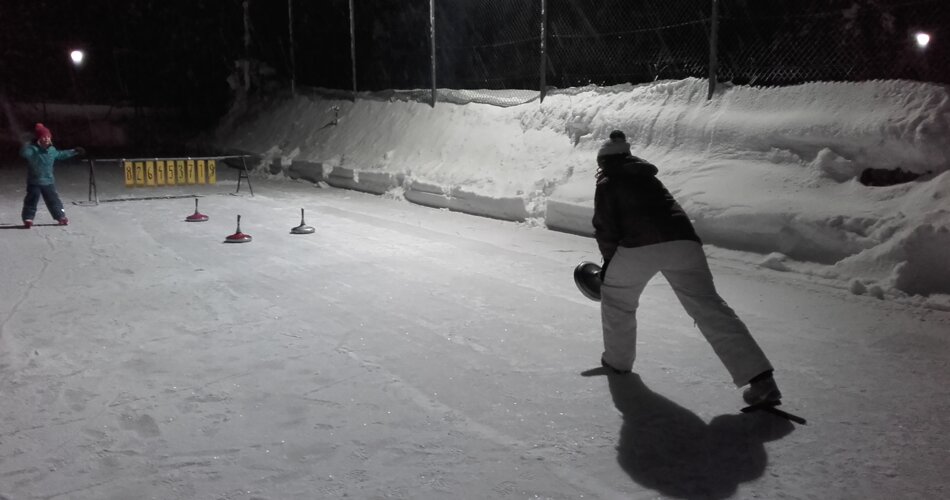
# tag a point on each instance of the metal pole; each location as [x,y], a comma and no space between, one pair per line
[81,98]
[247,45]
[245,175]
[353,47]
[544,33]
[713,54]
[293,62]
[432,43]
[93,190]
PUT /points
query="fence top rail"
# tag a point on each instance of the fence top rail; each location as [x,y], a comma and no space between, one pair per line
[155,158]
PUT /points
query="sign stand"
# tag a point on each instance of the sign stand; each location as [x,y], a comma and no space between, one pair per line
[93,191]
[142,176]
[243,174]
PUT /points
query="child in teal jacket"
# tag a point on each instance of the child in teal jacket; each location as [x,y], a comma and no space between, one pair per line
[41,155]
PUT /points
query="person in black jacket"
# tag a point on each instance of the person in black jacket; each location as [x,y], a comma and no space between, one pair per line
[641,230]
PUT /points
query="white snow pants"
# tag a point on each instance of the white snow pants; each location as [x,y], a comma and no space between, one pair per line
[684,266]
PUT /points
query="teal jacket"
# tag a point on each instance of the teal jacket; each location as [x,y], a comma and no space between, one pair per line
[41,162]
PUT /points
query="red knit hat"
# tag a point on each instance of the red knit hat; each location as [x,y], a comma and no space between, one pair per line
[41,131]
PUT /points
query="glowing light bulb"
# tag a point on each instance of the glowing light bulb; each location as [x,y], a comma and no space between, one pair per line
[77,57]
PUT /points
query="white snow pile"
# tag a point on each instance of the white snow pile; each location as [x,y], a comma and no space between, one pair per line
[767,170]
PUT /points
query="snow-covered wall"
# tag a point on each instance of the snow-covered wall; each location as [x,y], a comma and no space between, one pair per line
[771,170]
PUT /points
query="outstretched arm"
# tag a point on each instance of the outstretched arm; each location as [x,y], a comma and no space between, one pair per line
[27,151]
[69,153]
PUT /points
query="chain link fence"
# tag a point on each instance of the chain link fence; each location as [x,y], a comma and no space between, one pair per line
[530,44]
[147,59]
[505,56]
[776,43]
[614,41]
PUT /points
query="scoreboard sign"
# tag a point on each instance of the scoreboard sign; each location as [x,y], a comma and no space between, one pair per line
[159,173]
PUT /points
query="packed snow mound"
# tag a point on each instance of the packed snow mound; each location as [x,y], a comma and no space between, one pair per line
[766,170]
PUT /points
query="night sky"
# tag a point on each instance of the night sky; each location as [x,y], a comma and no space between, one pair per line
[146,53]
[179,53]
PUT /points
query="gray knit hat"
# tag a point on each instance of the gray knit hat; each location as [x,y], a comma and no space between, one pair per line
[616,145]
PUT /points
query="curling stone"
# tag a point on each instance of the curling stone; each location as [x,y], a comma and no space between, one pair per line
[303,228]
[588,280]
[238,236]
[197,216]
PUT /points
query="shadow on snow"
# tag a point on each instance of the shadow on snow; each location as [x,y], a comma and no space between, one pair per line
[667,448]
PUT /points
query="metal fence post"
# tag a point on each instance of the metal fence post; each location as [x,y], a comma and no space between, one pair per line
[544,33]
[293,62]
[432,44]
[713,54]
[353,47]
[247,45]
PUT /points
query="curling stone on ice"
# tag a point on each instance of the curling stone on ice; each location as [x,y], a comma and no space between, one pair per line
[303,228]
[238,236]
[197,216]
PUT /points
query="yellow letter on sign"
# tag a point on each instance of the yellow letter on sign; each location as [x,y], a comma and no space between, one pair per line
[129,174]
[190,168]
[160,172]
[150,173]
[170,172]
[201,171]
[180,171]
[212,172]
[139,173]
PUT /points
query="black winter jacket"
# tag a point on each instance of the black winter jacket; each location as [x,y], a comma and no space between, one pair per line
[632,208]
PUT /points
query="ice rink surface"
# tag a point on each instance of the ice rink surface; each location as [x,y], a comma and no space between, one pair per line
[406,352]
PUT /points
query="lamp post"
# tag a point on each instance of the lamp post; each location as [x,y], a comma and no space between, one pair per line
[922,40]
[77,57]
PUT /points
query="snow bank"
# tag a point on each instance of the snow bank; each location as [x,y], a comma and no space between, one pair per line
[769,170]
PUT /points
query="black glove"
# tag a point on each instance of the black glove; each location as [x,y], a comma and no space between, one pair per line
[80,151]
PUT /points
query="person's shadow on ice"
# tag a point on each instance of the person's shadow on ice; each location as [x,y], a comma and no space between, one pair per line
[667,448]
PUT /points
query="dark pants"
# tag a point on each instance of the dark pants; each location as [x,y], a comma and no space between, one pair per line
[50,197]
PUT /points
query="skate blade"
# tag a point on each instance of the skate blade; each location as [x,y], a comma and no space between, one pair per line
[770,407]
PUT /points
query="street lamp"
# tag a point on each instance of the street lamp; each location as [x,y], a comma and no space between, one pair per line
[77,57]
[922,39]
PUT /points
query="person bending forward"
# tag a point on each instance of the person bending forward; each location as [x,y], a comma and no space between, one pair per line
[641,230]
